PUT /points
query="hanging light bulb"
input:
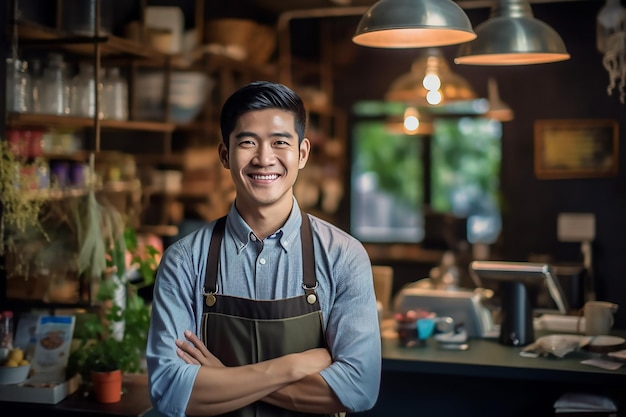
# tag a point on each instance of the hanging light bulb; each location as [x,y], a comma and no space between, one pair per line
[411,120]
[434,97]
[430,82]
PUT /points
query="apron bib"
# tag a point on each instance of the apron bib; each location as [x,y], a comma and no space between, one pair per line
[242,331]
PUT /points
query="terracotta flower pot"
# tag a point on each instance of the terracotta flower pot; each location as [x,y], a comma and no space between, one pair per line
[107,386]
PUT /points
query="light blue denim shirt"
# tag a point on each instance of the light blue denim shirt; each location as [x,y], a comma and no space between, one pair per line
[248,268]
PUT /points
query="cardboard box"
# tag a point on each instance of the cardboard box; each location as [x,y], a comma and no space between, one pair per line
[36,391]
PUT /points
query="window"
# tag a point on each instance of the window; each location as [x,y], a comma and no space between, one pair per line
[387,193]
[388,178]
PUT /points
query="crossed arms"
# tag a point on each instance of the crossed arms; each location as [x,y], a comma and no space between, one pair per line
[291,381]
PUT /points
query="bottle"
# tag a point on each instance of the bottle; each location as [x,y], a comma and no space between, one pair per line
[115,96]
[6,330]
[18,85]
[83,93]
[56,93]
[36,85]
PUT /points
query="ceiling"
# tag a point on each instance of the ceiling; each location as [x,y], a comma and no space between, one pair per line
[280,6]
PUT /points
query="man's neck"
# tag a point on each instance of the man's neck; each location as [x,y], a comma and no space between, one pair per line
[266,220]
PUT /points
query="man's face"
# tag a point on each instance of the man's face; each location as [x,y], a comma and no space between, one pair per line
[264,158]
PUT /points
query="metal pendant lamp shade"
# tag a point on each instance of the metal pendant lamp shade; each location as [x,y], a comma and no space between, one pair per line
[512,36]
[413,24]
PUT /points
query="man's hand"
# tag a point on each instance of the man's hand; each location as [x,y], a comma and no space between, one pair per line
[234,387]
[195,352]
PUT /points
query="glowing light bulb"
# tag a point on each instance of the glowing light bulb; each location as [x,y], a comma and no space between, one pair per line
[431,82]
[434,97]
[411,120]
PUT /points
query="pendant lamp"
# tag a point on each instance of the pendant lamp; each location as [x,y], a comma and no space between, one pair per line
[413,24]
[498,109]
[430,82]
[412,122]
[512,36]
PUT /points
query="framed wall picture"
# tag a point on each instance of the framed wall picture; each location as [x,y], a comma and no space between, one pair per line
[571,148]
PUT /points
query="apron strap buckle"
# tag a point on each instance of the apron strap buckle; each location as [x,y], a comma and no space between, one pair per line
[311,296]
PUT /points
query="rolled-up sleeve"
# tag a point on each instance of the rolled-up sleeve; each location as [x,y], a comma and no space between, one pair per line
[170,378]
[353,331]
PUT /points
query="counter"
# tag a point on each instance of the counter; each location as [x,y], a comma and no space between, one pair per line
[135,403]
[489,379]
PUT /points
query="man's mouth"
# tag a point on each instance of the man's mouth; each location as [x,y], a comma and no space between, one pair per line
[268,177]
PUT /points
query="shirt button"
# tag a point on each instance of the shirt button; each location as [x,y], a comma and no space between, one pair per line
[262,261]
[253,238]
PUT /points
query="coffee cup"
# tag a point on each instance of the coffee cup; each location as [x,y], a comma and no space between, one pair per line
[598,317]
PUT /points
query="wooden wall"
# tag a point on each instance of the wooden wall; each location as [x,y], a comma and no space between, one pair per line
[573,89]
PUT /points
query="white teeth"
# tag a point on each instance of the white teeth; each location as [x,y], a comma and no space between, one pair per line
[265,177]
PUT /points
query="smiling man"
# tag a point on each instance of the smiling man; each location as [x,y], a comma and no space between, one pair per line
[268,311]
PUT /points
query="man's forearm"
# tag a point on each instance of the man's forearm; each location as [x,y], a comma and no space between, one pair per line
[221,389]
[308,395]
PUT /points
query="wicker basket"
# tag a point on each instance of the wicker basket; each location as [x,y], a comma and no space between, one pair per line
[256,41]
[262,45]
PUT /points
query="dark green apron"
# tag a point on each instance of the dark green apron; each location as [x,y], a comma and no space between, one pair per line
[241,331]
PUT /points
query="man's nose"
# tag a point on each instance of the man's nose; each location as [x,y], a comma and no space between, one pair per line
[265,155]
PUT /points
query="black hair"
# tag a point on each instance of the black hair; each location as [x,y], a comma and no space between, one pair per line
[260,95]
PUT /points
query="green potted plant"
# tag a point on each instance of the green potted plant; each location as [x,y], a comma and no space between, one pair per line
[113,341]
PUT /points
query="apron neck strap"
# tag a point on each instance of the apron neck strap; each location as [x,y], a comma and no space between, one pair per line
[309,281]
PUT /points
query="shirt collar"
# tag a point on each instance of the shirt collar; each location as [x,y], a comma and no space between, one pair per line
[241,232]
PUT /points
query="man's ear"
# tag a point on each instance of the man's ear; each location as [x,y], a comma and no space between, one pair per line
[305,151]
[223,155]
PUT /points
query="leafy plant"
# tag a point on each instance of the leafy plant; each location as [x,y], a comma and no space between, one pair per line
[21,211]
[117,338]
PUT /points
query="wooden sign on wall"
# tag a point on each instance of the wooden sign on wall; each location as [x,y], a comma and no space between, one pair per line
[570,148]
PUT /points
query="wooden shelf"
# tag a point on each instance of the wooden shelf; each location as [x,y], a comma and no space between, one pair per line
[32,34]
[59,194]
[155,159]
[181,194]
[51,120]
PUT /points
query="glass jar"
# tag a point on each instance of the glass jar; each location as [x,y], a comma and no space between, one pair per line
[83,93]
[115,95]
[36,86]
[18,86]
[55,97]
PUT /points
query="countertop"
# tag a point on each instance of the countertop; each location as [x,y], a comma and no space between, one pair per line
[487,380]
[489,358]
[135,402]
